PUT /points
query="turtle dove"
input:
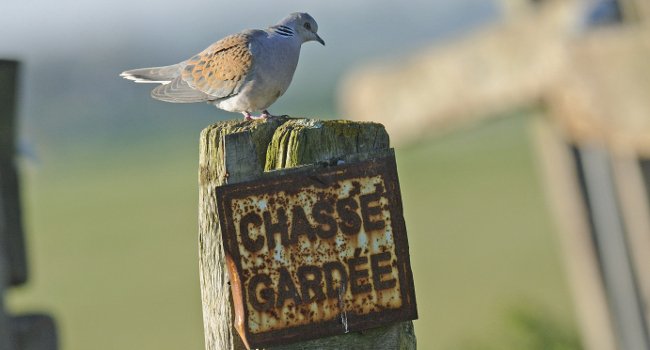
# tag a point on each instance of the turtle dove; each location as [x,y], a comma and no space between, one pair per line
[243,72]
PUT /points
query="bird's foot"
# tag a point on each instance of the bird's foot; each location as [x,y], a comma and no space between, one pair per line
[267,115]
[264,116]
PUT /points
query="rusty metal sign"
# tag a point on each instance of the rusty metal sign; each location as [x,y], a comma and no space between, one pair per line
[318,252]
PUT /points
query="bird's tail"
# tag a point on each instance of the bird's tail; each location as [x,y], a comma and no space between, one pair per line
[162,75]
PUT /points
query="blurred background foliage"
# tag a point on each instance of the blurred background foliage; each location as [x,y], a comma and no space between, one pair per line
[110,183]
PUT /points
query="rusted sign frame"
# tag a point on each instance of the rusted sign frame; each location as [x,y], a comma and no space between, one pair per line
[319,176]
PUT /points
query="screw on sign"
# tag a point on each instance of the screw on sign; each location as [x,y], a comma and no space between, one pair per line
[317,252]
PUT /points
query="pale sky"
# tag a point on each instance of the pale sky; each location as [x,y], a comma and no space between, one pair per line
[61,26]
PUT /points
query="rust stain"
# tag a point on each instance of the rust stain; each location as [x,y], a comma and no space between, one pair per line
[317,253]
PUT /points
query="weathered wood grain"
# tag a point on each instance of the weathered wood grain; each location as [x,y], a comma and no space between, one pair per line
[230,152]
[237,151]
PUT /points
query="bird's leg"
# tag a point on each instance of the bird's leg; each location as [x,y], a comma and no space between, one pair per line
[248,116]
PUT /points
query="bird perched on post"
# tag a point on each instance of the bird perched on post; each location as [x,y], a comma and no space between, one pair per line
[243,72]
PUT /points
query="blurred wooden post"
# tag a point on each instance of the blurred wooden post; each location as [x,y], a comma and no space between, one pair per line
[24,332]
[633,190]
[10,216]
[562,187]
[237,151]
[612,239]
[597,193]
[11,270]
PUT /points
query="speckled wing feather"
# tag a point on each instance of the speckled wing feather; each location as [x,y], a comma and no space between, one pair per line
[178,91]
[217,72]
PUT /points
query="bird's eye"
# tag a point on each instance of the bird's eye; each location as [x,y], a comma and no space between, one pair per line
[307,26]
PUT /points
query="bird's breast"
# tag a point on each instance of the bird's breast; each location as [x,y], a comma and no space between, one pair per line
[273,66]
[276,64]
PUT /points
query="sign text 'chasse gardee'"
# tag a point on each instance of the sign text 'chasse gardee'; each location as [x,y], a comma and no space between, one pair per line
[317,252]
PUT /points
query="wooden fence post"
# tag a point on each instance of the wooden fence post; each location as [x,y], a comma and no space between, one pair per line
[562,187]
[24,332]
[10,216]
[237,151]
[596,192]
[12,262]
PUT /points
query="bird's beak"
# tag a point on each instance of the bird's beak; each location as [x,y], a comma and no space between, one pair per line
[319,39]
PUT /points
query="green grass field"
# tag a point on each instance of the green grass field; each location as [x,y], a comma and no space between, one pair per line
[113,244]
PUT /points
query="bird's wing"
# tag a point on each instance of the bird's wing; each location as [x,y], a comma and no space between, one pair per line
[154,74]
[217,72]
[178,91]
[221,69]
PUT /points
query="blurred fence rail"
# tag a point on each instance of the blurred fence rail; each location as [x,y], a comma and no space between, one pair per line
[23,332]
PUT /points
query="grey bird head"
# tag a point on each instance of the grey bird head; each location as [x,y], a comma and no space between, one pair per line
[304,25]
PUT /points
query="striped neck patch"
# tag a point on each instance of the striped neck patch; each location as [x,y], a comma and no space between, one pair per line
[283,30]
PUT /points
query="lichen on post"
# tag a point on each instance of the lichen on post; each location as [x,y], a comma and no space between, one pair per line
[305,141]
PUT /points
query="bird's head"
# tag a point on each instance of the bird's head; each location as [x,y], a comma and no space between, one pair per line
[303,25]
